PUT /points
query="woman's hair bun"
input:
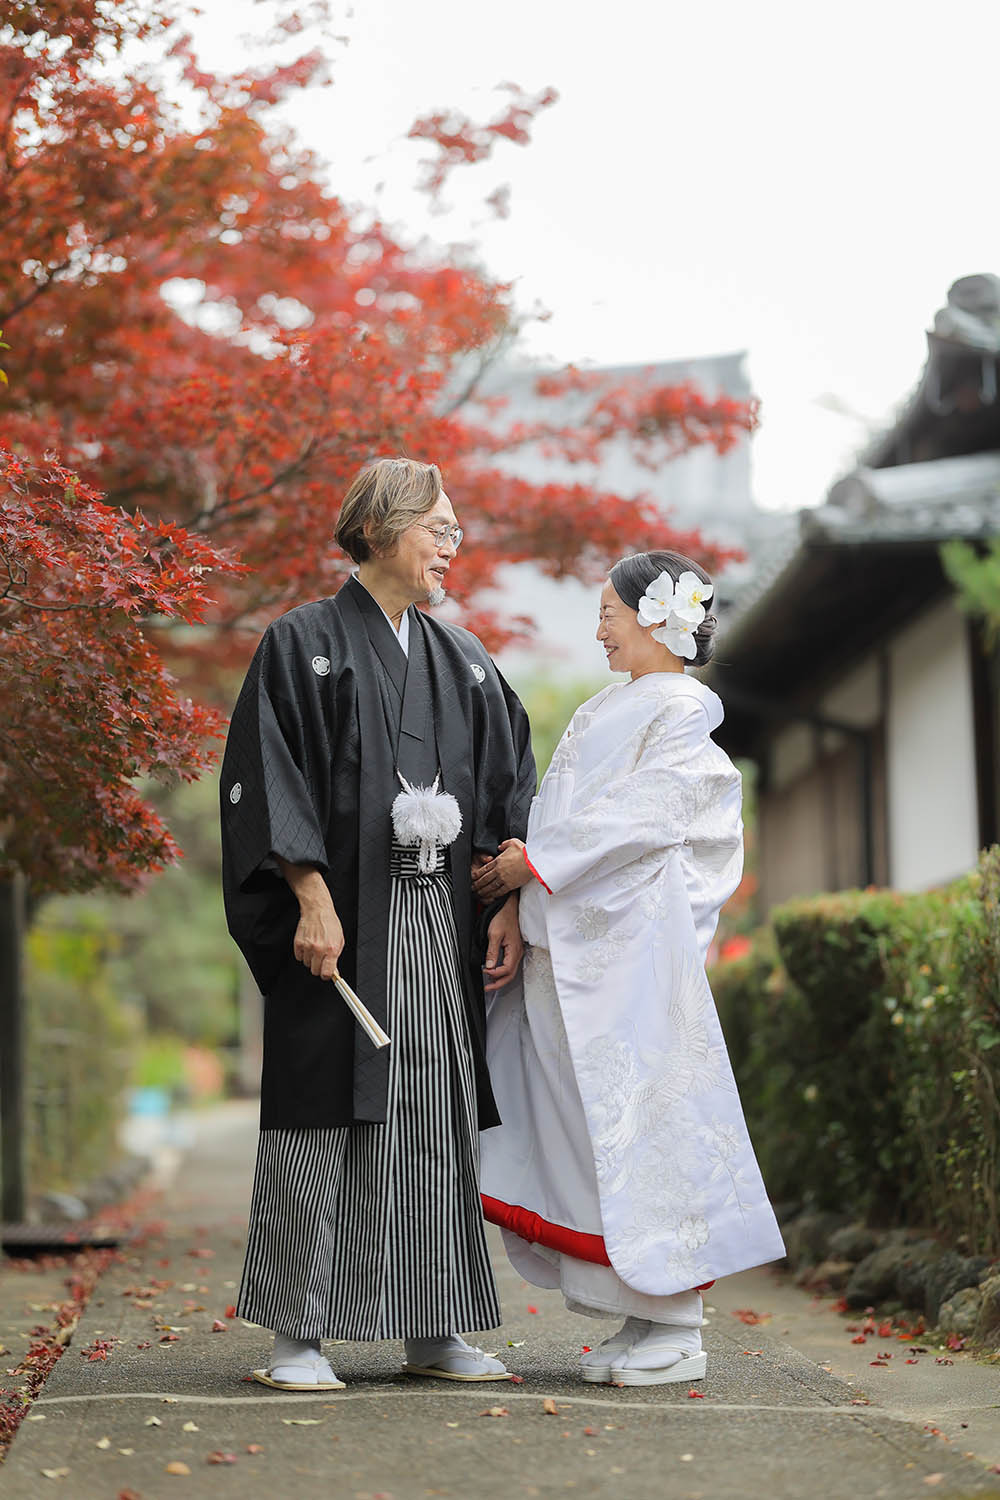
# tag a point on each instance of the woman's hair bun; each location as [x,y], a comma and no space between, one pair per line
[631,577]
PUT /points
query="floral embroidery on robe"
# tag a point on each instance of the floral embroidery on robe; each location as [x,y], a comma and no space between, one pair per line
[636,837]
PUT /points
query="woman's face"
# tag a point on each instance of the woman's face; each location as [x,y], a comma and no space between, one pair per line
[628,645]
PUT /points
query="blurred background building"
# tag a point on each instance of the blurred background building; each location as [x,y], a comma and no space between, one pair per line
[697,490]
[869,702]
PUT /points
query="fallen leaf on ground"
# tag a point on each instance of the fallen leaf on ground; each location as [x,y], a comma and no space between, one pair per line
[303,1421]
[586,1349]
[754,1353]
[747,1315]
[451,1424]
[696,1395]
[254,1448]
[55,1473]
[859,1338]
[549,1407]
[218,1457]
[176,1467]
[939,1361]
[933,1478]
[516,1343]
[955,1341]
[495,1411]
[152,1422]
[168,1338]
[231,1311]
[190,1427]
[687,1458]
[104,1442]
[885,1330]
[590,1432]
[129,1495]
[517,1379]
[218,1326]
[532,1309]
[913,1361]
[127,1451]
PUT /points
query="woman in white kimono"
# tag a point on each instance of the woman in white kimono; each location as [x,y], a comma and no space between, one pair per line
[623,1173]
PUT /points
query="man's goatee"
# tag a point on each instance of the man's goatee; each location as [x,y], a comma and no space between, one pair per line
[436,596]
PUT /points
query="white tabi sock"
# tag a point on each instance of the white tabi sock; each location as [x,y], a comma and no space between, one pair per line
[286,1349]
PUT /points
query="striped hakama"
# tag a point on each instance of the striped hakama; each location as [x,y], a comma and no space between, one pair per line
[375,1231]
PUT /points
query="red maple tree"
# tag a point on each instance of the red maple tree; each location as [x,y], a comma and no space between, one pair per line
[310,341]
[86,703]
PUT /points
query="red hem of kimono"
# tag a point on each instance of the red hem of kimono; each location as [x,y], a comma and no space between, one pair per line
[531,1227]
[534,872]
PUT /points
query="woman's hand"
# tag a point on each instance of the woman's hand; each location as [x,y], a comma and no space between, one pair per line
[506,873]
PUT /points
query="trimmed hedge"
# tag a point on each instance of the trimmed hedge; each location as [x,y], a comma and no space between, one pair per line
[864,1029]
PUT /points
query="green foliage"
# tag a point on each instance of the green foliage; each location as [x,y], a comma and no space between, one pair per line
[169,956]
[865,1033]
[976,578]
[159,1064]
[550,704]
[77,1058]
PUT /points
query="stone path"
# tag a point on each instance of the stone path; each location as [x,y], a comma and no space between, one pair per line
[769,1420]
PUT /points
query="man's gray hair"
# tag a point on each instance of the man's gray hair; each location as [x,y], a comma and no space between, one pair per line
[387,496]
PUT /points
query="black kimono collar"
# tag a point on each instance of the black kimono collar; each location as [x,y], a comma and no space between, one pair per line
[380,632]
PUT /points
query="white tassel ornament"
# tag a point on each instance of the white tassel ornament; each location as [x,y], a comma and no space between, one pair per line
[426,816]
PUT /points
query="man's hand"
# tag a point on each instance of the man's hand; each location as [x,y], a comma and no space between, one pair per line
[506,873]
[504,947]
[319,937]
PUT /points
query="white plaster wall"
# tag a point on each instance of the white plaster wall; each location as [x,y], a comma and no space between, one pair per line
[793,751]
[855,699]
[931,774]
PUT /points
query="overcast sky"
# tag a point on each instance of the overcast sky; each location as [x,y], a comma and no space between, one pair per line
[799,180]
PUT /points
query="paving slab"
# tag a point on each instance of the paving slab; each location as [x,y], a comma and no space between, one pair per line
[768,1420]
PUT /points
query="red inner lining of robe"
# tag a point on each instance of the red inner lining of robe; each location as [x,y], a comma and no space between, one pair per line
[531,1227]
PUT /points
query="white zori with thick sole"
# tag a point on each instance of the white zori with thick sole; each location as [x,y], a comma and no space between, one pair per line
[663,1355]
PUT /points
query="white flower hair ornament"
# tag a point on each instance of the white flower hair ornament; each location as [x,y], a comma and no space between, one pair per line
[675,610]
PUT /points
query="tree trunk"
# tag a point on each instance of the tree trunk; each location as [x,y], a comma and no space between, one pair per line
[13,1173]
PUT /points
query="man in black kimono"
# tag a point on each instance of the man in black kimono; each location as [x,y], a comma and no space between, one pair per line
[366,1220]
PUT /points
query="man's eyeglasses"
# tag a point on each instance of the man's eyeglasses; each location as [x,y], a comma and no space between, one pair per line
[440,533]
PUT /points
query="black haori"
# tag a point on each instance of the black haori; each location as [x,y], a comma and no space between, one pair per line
[330,710]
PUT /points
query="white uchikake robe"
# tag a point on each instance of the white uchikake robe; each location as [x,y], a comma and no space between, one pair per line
[622,1122]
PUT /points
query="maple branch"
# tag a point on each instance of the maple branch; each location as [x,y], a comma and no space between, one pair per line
[487,361]
[8,124]
[232,509]
[40,287]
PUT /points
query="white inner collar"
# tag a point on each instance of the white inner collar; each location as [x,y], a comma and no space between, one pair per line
[403,633]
